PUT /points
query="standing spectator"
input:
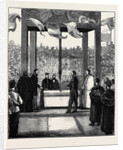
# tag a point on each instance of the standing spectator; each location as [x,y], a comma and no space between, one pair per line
[54,83]
[25,90]
[107,124]
[86,88]
[34,81]
[14,102]
[73,93]
[96,106]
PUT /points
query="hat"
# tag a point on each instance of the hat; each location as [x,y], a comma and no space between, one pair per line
[35,69]
[47,73]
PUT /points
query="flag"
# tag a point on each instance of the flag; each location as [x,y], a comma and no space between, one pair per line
[109,22]
[38,24]
[12,21]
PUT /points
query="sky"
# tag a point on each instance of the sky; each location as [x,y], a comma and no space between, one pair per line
[51,41]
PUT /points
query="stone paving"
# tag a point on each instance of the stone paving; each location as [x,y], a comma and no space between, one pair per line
[55,123]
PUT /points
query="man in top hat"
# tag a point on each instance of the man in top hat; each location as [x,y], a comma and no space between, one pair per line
[46,83]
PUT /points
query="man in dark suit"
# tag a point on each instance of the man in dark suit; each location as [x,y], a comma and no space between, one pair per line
[73,93]
[35,85]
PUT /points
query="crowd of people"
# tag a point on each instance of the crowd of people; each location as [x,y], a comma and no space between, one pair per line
[100,100]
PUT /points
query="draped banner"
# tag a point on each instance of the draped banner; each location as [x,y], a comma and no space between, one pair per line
[12,21]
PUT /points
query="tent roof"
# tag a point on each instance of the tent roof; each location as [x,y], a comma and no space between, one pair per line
[58,17]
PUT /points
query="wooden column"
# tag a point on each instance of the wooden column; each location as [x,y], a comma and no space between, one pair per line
[85,53]
[24,45]
[98,50]
[33,51]
[60,60]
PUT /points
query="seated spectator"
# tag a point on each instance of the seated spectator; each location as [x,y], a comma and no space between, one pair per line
[96,106]
[54,83]
[46,83]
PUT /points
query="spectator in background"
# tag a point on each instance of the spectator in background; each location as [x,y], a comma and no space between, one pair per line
[107,123]
[25,90]
[54,83]
[35,85]
[96,105]
[14,102]
[86,88]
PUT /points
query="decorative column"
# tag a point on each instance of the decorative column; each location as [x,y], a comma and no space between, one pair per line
[98,49]
[85,65]
[33,51]
[85,53]
[24,45]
